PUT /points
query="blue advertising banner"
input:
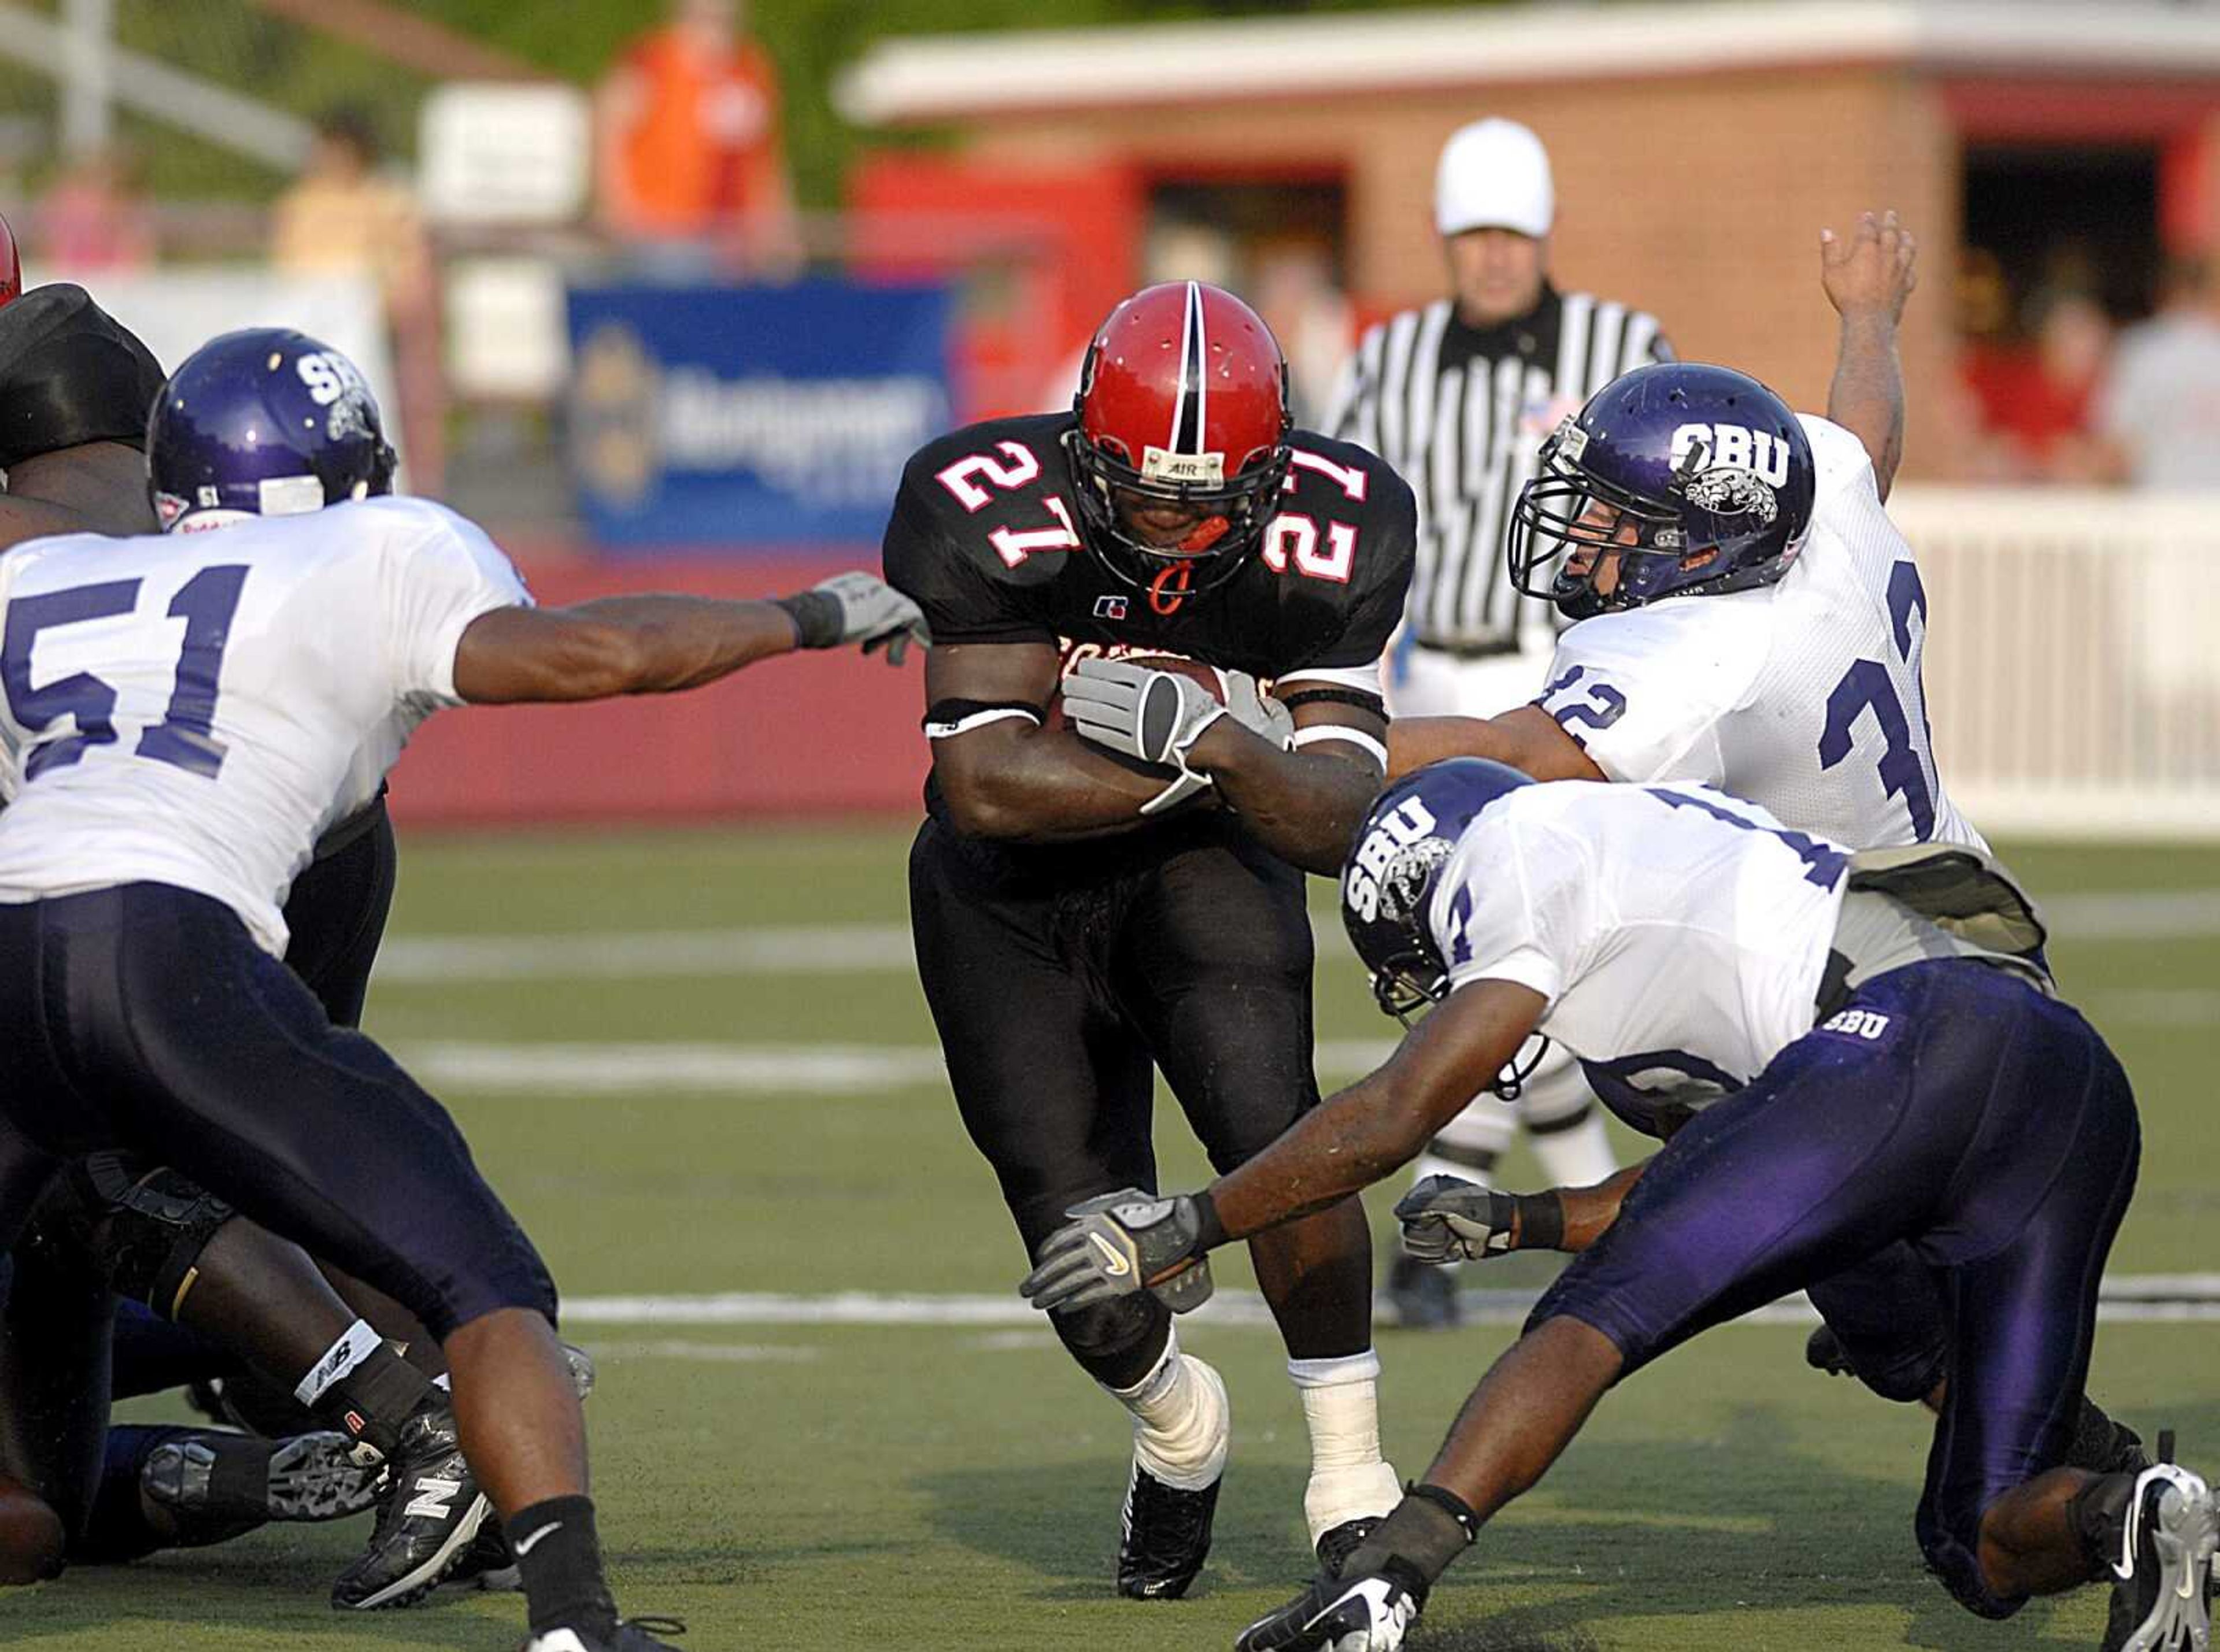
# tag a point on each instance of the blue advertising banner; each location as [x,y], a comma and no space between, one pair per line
[751,416]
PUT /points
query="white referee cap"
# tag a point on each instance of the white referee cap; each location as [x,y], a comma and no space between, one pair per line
[1493,174]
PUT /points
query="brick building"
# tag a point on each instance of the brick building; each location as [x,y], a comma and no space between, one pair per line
[1698,148]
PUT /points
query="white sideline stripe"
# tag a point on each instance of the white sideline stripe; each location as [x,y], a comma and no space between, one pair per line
[822,949]
[806,1069]
[710,1353]
[2129,1296]
[739,1069]
[859,949]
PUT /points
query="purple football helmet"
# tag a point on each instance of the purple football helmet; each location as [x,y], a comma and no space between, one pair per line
[1389,882]
[263,423]
[1675,480]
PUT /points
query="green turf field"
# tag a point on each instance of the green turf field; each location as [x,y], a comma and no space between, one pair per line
[832,1486]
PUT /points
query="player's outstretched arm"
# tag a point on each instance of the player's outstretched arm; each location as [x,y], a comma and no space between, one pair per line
[1141,1241]
[657,644]
[1363,1134]
[1867,279]
[1002,771]
[1529,739]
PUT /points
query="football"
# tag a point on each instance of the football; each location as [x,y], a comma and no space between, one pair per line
[1194,671]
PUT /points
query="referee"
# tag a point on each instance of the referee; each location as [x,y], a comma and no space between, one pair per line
[1458,396]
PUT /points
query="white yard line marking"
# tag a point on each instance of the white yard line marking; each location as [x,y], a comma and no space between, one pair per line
[710,1353]
[824,948]
[2124,1296]
[728,1068]
[859,949]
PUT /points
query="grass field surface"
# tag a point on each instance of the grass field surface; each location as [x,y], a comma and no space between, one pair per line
[699,1068]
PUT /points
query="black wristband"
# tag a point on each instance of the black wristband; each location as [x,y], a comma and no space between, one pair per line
[1356,697]
[1541,1222]
[1209,1231]
[69,375]
[816,616]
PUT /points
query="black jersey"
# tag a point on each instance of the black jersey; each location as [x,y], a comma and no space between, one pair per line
[985,538]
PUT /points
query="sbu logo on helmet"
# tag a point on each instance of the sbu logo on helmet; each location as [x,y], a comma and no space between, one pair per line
[335,382]
[1388,875]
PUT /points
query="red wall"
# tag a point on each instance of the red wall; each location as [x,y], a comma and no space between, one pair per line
[811,733]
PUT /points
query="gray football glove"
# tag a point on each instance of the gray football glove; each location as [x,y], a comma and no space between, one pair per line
[1366,1614]
[1158,716]
[1118,1243]
[1447,1218]
[856,607]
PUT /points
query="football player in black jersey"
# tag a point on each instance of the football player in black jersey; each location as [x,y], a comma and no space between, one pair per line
[1111,871]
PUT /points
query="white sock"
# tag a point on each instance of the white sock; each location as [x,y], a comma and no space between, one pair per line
[1579,1158]
[1341,1407]
[1181,1420]
[355,1344]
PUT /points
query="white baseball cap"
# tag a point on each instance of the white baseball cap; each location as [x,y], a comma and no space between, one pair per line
[1493,174]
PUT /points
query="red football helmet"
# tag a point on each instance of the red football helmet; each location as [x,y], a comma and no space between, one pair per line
[11,266]
[1183,401]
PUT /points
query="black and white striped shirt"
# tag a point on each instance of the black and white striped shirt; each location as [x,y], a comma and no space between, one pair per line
[1461,413]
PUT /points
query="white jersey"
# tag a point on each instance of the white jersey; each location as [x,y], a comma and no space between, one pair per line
[1678,935]
[1802,696]
[193,709]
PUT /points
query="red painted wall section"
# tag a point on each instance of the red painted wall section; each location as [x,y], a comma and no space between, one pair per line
[804,734]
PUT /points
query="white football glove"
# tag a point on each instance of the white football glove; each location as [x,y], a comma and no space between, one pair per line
[1156,716]
[857,607]
[1447,1218]
[1365,1614]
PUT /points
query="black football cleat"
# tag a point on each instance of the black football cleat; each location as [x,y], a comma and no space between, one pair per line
[208,1474]
[1336,1543]
[430,1514]
[1366,1614]
[634,1634]
[1165,1537]
[2162,1587]
[1423,1296]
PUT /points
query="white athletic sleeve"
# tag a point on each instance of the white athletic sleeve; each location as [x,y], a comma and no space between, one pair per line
[1517,905]
[441,572]
[1641,692]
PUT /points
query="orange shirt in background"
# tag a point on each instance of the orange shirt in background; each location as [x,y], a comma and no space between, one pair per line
[701,147]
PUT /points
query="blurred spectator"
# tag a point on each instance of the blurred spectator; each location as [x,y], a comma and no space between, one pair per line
[2035,398]
[343,216]
[1295,293]
[2158,408]
[687,142]
[94,218]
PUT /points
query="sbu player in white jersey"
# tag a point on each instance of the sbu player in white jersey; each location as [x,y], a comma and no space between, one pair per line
[1749,619]
[184,714]
[1887,1064]
[1747,616]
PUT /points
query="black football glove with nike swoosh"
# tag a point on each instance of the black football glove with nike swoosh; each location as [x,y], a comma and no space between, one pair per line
[1125,1241]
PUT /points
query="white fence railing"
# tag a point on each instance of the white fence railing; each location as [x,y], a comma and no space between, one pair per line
[2073,661]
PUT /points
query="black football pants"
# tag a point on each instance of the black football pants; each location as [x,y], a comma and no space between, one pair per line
[1058,978]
